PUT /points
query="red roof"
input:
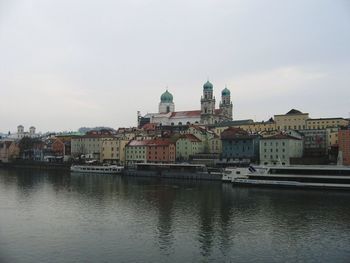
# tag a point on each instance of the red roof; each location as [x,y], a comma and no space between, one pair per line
[139,142]
[181,114]
[149,127]
[154,142]
[233,132]
[191,113]
[159,142]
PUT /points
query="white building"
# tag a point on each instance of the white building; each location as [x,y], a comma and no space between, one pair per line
[279,148]
[21,133]
[207,114]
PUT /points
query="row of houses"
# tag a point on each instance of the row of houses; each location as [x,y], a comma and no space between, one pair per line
[289,138]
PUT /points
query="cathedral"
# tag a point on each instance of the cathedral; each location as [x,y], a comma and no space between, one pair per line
[206,115]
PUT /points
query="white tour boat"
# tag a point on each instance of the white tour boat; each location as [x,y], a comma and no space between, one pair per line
[102,169]
[308,176]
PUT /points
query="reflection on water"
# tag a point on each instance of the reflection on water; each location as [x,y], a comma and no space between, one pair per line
[58,217]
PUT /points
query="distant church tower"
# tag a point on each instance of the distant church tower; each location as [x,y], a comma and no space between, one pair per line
[207,104]
[166,104]
[226,105]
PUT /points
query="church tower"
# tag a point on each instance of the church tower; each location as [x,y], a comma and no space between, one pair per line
[226,105]
[166,104]
[207,104]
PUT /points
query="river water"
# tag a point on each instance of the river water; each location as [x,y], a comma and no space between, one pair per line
[58,217]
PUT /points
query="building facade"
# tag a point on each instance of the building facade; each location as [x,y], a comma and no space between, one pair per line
[239,144]
[207,114]
[187,145]
[344,145]
[136,152]
[292,120]
[324,123]
[161,151]
[315,143]
[89,145]
[279,149]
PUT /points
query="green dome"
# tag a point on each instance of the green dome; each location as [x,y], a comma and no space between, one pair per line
[208,86]
[166,97]
[225,92]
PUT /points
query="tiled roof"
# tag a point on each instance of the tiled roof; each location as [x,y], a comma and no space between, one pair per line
[188,114]
[234,123]
[190,137]
[149,127]
[280,136]
[159,142]
[236,133]
[293,111]
[139,142]
[321,119]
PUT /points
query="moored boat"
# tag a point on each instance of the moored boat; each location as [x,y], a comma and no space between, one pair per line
[101,169]
[325,177]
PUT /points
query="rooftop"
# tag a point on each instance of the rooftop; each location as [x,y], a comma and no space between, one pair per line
[281,136]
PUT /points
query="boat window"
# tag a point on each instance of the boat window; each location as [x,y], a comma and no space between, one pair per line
[238,172]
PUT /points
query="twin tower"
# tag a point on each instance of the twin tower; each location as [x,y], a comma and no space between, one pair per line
[208,114]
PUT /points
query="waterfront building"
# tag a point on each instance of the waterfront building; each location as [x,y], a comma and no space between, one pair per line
[113,149]
[207,114]
[332,137]
[161,151]
[203,134]
[238,144]
[215,144]
[9,151]
[220,127]
[136,151]
[315,142]
[279,149]
[89,145]
[324,123]
[61,147]
[109,150]
[292,120]
[187,145]
[344,145]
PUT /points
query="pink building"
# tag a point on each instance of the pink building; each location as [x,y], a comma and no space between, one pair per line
[161,151]
[344,144]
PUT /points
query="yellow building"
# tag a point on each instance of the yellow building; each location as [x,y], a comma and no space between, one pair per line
[215,144]
[332,134]
[258,127]
[247,125]
[324,123]
[292,120]
[113,150]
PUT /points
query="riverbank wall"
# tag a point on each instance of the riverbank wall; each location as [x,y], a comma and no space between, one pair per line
[36,165]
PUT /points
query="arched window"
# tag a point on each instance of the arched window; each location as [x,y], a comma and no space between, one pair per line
[167,109]
[180,123]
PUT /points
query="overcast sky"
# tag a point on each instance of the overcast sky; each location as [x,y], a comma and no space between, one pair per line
[71,63]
